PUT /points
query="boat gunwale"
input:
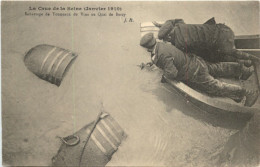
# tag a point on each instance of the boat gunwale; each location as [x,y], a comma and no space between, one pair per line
[208,101]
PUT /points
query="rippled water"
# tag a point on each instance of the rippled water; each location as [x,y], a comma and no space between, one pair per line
[162,127]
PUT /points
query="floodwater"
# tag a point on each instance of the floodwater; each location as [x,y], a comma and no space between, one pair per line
[163,128]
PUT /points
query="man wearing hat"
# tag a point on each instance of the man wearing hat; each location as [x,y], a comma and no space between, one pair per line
[195,72]
[213,42]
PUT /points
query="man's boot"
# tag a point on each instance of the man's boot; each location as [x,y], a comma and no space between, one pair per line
[247,63]
[163,79]
[243,55]
[246,73]
[239,96]
[234,92]
[251,97]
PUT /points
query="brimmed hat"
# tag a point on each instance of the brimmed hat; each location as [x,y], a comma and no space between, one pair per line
[148,40]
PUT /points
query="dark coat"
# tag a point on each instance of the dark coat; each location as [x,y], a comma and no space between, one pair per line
[167,27]
[176,64]
[194,71]
[194,37]
[205,40]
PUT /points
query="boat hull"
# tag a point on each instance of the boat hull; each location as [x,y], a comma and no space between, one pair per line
[247,43]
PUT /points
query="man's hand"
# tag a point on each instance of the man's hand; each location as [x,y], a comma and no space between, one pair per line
[163,80]
[149,64]
[142,65]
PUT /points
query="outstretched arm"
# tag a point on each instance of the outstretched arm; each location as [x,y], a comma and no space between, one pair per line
[167,27]
[173,21]
[157,24]
[143,65]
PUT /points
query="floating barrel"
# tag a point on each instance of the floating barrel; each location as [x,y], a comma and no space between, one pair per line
[101,144]
[48,62]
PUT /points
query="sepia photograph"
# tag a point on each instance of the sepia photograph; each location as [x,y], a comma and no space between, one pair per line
[130,83]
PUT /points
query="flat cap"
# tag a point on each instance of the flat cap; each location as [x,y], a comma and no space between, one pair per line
[148,40]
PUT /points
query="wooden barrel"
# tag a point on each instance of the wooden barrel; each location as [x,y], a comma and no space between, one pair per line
[103,142]
[49,63]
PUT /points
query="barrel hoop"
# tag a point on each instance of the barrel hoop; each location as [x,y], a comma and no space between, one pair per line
[60,73]
[109,130]
[97,142]
[45,59]
[106,137]
[60,61]
[114,124]
[52,62]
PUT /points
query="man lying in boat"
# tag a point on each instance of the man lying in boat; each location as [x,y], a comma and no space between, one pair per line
[213,42]
[193,70]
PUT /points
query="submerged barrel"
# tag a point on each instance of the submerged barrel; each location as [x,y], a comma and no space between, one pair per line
[48,62]
[101,144]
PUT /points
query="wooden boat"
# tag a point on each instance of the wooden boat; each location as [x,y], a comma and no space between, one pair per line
[246,43]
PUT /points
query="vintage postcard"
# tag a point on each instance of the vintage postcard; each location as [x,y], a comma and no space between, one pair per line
[113,83]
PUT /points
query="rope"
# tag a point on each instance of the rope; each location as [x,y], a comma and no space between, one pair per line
[88,137]
[63,139]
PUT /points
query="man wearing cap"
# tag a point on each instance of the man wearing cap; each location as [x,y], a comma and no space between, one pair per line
[194,71]
[213,42]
